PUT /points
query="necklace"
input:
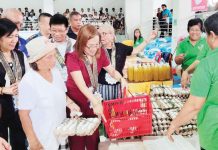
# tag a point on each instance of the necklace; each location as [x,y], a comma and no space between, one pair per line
[14,72]
[108,78]
[93,73]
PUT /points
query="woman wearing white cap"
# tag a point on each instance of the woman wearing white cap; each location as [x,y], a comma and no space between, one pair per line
[43,107]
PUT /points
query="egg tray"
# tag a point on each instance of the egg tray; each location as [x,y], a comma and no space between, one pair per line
[77,126]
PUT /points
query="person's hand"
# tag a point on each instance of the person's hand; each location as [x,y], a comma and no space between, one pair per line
[35,145]
[75,111]
[124,83]
[98,110]
[180,57]
[185,79]
[4,145]
[153,35]
[74,107]
[11,90]
[171,130]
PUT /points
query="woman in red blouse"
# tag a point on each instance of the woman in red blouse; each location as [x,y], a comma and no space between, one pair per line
[84,65]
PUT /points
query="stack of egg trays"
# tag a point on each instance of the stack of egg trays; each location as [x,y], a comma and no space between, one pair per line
[186,130]
[158,91]
[160,122]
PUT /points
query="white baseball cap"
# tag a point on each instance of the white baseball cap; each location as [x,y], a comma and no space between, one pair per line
[38,48]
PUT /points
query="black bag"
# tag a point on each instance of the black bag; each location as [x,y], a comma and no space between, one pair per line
[167,57]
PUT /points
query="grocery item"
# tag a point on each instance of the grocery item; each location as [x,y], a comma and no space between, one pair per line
[158,91]
[79,126]
[166,103]
[148,72]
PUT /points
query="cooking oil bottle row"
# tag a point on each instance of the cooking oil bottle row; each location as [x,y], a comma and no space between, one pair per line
[149,72]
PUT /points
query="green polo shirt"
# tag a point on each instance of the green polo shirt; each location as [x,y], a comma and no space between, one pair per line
[138,42]
[204,84]
[198,51]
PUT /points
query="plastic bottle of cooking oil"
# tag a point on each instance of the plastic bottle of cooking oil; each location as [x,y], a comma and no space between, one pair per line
[140,74]
[164,72]
[149,71]
[161,72]
[145,73]
[152,71]
[136,73]
[156,72]
[130,72]
[168,72]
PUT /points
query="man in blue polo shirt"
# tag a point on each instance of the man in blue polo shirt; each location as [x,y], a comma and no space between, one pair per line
[44,27]
[166,13]
[167,18]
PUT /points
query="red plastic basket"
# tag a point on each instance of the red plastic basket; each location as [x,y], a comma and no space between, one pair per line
[128,117]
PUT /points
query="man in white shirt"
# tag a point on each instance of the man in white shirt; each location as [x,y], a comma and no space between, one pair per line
[88,12]
[59,26]
[113,13]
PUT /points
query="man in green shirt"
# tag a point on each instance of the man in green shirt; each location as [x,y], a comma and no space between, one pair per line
[203,100]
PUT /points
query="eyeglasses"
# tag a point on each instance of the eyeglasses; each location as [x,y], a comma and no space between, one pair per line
[93,46]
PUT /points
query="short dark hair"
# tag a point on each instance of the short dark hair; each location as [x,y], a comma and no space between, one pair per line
[34,66]
[211,24]
[164,5]
[7,27]
[59,19]
[74,13]
[44,15]
[195,21]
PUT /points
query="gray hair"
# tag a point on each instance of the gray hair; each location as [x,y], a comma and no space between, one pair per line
[107,28]
[10,11]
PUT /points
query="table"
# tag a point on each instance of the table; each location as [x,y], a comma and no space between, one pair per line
[140,144]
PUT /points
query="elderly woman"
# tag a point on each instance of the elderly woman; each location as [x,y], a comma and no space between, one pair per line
[42,96]
[116,53]
[84,65]
[203,100]
[191,50]
[12,69]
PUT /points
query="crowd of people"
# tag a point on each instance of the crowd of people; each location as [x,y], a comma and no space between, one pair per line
[60,69]
[116,18]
